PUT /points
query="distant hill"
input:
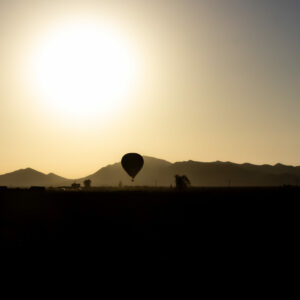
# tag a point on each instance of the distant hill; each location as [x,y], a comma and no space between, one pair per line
[161,173]
[30,177]
[155,171]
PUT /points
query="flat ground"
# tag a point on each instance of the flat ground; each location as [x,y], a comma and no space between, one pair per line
[151,224]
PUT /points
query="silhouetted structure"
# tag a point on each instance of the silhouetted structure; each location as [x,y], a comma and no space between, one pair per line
[75,186]
[87,183]
[182,182]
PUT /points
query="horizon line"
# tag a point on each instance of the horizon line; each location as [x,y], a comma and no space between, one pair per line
[180,161]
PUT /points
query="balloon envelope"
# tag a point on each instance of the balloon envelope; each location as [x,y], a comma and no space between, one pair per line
[132,163]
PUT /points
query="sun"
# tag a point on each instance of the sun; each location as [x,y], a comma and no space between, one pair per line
[84,69]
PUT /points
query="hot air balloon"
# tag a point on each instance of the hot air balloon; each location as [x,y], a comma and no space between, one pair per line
[132,163]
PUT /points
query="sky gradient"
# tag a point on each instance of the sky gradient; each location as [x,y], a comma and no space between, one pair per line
[218,80]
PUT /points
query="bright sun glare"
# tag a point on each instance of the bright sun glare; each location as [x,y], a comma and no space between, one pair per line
[84,69]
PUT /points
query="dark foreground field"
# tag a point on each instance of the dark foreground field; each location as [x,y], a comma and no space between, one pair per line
[141,225]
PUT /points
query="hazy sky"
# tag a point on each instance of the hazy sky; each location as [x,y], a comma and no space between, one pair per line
[214,80]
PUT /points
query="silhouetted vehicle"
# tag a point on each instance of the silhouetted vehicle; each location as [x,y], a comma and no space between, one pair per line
[75,186]
[87,183]
[182,182]
[132,163]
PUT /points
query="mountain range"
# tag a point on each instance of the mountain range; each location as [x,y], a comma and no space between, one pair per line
[158,172]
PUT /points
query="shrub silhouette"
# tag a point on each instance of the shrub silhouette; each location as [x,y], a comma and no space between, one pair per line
[182,182]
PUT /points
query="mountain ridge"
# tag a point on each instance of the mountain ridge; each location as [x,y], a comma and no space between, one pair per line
[160,172]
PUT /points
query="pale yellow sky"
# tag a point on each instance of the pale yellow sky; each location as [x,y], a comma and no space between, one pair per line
[212,81]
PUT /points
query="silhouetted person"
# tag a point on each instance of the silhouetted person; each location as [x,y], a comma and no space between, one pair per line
[87,183]
[182,182]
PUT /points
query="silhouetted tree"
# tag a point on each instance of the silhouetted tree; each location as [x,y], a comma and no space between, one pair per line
[182,182]
[87,183]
